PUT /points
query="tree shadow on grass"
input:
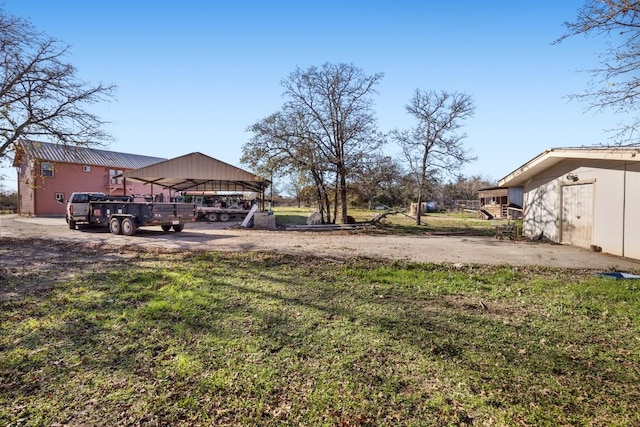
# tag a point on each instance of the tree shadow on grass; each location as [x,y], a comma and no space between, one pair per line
[153,318]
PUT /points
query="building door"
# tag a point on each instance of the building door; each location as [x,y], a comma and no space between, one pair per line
[577,215]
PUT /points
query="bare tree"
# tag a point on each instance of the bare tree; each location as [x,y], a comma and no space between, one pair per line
[615,84]
[328,122]
[281,145]
[434,145]
[337,101]
[40,94]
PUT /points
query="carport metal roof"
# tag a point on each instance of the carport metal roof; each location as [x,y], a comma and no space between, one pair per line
[198,172]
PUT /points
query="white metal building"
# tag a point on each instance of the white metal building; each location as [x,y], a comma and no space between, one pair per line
[583,197]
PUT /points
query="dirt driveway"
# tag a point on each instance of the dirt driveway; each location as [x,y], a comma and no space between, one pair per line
[228,237]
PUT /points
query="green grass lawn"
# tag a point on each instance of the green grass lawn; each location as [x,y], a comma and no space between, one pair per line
[258,339]
[400,223]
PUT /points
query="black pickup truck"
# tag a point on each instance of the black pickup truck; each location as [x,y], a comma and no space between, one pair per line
[123,215]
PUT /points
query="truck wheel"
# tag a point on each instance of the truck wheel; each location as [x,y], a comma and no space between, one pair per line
[128,227]
[178,228]
[165,227]
[72,224]
[224,217]
[114,226]
[212,217]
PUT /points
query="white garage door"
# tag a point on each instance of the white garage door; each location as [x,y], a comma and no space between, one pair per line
[577,215]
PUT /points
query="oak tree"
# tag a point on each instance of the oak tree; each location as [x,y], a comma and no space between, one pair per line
[327,120]
[281,146]
[375,179]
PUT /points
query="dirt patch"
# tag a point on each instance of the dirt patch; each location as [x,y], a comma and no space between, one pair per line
[36,252]
[33,265]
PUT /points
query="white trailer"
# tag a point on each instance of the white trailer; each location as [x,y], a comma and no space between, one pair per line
[221,208]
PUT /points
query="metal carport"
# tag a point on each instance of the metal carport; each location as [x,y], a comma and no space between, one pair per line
[198,172]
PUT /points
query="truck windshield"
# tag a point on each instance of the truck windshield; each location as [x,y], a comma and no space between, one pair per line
[80,198]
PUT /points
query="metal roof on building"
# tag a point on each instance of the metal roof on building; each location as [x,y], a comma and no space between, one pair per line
[198,172]
[49,152]
[493,192]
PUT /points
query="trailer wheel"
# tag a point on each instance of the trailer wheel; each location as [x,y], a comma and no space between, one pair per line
[224,217]
[128,227]
[212,217]
[72,224]
[115,227]
[178,228]
[165,227]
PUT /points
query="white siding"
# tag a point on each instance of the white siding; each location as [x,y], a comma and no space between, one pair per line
[608,204]
[632,212]
[615,211]
[541,208]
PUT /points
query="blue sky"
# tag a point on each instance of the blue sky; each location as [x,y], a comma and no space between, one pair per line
[192,75]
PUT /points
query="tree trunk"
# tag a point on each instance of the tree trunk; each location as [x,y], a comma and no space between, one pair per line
[321,197]
[327,202]
[319,201]
[336,190]
[343,198]
[419,210]
[321,210]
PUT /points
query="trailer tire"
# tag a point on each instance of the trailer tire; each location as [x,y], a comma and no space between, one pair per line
[165,227]
[72,224]
[128,227]
[115,227]
[224,217]
[212,217]
[178,228]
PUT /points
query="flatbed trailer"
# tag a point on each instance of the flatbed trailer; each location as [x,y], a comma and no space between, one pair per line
[122,215]
[215,208]
[213,214]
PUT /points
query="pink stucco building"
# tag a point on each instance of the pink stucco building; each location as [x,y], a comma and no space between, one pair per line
[49,173]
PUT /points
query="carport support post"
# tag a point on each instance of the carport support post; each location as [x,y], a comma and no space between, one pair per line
[271,197]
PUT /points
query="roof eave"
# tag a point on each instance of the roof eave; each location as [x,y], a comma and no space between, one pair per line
[553,156]
[526,171]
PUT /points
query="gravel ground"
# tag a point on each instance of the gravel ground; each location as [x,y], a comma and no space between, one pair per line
[341,244]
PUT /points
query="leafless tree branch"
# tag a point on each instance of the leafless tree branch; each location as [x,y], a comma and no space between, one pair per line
[614,85]
[328,112]
[40,94]
[434,144]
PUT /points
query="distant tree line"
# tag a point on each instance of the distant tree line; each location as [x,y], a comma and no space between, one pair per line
[8,200]
[394,189]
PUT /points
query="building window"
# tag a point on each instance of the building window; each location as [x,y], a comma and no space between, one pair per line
[86,168]
[60,197]
[46,169]
[113,176]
